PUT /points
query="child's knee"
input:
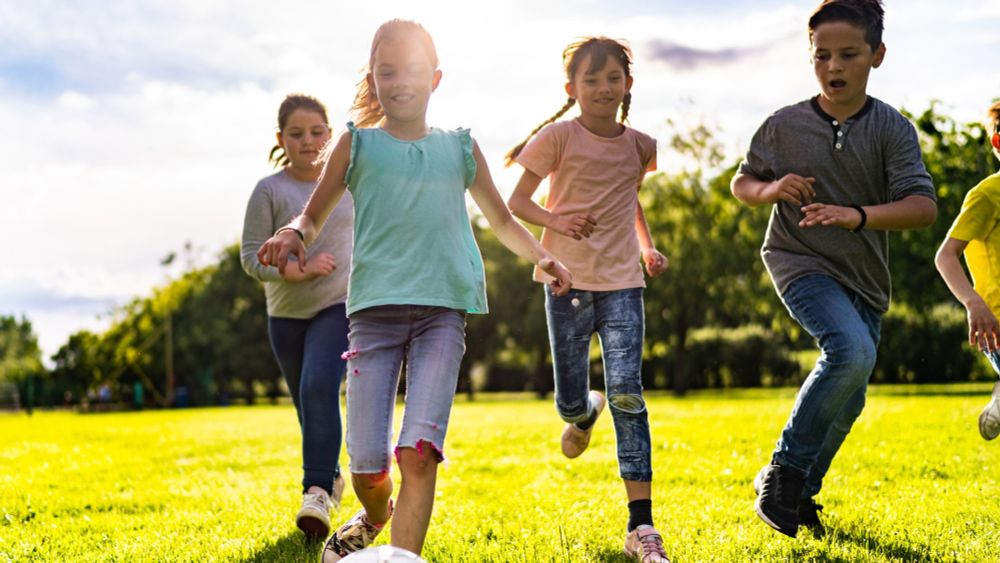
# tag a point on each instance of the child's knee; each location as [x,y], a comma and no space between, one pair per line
[369,480]
[629,403]
[421,459]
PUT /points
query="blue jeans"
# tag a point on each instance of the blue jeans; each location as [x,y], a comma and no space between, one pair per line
[617,318]
[847,330]
[432,340]
[308,353]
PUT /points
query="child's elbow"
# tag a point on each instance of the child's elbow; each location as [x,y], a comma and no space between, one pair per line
[928,213]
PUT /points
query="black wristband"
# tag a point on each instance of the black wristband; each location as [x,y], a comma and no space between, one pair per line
[864,218]
[303,238]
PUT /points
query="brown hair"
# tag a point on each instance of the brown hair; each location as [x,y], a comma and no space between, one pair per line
[291,103]
[866,14]
[368,111]
[599,49]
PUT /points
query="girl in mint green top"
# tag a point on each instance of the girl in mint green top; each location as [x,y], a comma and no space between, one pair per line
[416,271]
[427,254]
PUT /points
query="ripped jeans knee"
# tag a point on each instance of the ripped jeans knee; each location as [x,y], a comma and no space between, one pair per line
[628,403]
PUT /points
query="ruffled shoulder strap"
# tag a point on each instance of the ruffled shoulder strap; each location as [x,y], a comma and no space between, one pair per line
[354,151]
[466,143]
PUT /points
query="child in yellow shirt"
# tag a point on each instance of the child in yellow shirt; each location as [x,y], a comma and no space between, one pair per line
[976,231]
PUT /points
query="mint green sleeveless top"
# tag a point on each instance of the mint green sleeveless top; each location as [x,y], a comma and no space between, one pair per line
[413,243]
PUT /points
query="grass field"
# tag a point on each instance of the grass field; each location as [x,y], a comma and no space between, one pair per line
[914,482]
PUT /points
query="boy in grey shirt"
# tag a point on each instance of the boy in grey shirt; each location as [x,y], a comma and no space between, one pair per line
[840,170]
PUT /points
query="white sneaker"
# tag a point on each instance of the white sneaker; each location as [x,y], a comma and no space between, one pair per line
[645,545]
[314,516]
[989,419]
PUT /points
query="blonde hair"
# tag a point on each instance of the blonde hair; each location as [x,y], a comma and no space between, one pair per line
[599,49]
[368,112]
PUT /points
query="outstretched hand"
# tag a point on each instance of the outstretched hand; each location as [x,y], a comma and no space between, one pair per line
[563,278]
[276,250]
[830,216]
[984,329]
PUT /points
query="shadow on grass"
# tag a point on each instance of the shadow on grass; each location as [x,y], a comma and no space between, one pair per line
[293,547]
[872,543]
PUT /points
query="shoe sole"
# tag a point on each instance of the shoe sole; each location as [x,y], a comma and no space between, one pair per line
[769,522]
[984,416]
[312,526]
[572,455]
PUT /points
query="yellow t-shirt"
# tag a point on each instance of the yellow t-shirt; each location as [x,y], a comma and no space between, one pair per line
[979,224]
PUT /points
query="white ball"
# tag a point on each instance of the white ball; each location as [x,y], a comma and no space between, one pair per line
[383,554]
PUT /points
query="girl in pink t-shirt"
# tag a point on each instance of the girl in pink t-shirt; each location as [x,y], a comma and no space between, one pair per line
[594,224]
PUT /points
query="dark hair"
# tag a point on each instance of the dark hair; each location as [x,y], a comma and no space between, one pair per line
[599,49]
[366,107]
[866,14]
[291,103]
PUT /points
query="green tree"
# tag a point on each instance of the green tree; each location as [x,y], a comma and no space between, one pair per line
[20,356]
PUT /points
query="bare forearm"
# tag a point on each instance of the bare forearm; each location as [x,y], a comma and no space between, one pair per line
[642,229]
[749,190]
[912,212]
[527,210]
[519,240]
[951,271]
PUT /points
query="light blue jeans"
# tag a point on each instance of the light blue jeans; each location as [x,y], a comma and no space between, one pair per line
[832,397]
[617,318]
[432,341]
[308,353]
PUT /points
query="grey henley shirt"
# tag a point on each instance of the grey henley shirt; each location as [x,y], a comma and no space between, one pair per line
[871,158]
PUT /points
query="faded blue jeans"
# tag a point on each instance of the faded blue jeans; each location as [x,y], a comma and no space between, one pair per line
[432,342]
[832,397]
[308,353]
[617,318]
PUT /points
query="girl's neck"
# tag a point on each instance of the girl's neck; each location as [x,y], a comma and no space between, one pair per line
[601,126]
[309,175]
[406,130]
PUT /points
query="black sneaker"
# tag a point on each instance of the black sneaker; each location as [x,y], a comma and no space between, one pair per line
[777,502]
[809,516]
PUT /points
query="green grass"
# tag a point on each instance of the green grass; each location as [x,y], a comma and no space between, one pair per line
[914,482]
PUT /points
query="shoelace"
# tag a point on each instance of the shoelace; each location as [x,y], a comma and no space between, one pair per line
[651,544]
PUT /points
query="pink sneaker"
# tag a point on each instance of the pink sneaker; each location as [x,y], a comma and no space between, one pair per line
[574,440]
[645,545]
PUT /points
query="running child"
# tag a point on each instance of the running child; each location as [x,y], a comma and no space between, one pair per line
[840,170]
[976,232]
[594,224]
[307,320]
[416,272]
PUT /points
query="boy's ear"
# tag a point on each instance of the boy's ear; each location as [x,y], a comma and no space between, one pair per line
[879,55]
[437,80]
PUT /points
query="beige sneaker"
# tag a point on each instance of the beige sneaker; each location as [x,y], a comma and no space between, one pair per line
[574,440]
[645,545]
[354,535]
[314,516]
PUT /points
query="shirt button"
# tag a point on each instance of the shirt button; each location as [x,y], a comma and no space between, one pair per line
[840,133]
[835,122]
[838,145]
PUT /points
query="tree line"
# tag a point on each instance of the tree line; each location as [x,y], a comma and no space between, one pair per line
[712,320]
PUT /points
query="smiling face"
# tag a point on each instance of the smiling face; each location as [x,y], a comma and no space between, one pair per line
[599,92]
[305,133]
[842,60]
[403,78]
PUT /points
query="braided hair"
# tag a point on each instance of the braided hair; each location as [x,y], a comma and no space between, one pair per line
[599,49]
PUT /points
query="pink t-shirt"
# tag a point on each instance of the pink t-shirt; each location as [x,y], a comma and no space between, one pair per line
[599,175]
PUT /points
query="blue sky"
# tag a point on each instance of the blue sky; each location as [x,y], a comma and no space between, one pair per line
[134,128]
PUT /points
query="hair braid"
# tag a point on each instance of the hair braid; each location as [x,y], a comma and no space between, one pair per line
[508,159]
[626,102]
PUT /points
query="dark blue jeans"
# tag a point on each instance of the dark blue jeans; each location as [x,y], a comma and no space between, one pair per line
[308,353]
[832,397]
[617,318]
